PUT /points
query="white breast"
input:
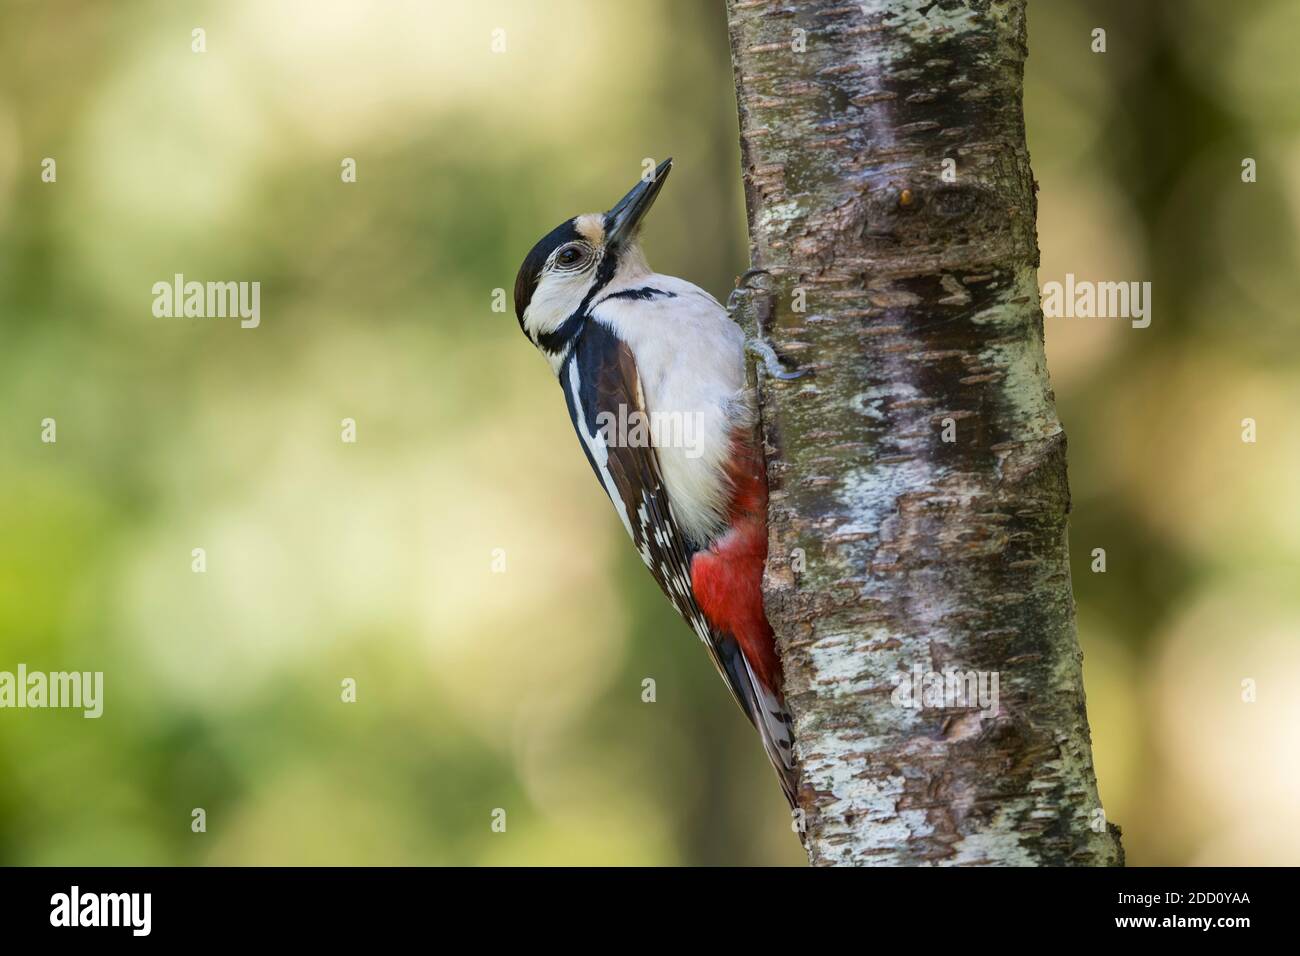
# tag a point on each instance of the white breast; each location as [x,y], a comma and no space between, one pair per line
[690,357]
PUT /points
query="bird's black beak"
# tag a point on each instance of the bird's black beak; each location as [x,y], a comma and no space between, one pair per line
[622,221]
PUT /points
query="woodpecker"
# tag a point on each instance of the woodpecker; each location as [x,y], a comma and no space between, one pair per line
[630,345]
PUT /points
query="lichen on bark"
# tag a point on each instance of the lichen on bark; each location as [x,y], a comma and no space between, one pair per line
[917,515]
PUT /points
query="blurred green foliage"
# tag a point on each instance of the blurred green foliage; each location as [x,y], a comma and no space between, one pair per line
[374,561]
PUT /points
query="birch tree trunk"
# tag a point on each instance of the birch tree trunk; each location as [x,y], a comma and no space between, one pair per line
[918,488]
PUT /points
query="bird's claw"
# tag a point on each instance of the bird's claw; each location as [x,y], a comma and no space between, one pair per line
[756,346]
[743,286]
[771,362]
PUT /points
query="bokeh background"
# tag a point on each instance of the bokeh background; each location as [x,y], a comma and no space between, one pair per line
[522,689]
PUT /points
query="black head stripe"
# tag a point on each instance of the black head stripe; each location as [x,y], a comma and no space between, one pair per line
[604,272]
[531,270]
[644,294]
[561,337]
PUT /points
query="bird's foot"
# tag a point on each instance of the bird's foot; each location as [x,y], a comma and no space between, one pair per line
[743,285]
[771,361]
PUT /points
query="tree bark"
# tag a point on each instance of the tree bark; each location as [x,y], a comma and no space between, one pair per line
[917,516]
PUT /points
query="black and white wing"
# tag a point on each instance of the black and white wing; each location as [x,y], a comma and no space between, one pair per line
[600,381]
[602,385]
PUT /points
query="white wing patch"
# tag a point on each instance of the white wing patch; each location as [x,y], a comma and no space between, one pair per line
[681,595]
[596,446]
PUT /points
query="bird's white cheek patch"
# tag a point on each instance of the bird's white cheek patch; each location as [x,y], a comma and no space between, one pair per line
[556,298]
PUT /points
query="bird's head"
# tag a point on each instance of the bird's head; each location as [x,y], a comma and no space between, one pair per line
[562,275]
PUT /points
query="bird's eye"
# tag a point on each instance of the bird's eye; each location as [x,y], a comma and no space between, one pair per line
[570,256]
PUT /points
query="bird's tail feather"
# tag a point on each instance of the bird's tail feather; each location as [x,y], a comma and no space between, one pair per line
[765,707]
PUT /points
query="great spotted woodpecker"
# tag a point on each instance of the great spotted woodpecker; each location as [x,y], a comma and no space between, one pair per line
[628,344]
